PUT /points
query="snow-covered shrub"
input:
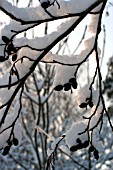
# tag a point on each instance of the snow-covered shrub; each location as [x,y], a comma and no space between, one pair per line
[23,54]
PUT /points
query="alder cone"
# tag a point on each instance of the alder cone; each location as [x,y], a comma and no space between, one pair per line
[78,140]
[58,88]
[91,149]
[96,154]
[67,87]
[5,39]
[45,5]
[74,85]
[72,80]
[80,146]
[6,150]
[86,144]
[90,104]
[14,57]
[15,141]
[74,148]
[10,47]
[83,105]
[10,143]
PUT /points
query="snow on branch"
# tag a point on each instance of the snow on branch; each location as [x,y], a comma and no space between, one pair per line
[36,14]
[24,54]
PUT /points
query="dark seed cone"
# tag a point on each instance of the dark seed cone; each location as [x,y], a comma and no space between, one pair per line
[74,148]
[10,48]
[80,146]
[14,57]
[5,39]
[6,150]
[45,5]
[86,144]
[15,141]
[78,140]
[58,88]
[9,143]
[96,154]
[83,105]
[67,87]
[74,85]
[90,104]
[91,149]
[72,80]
